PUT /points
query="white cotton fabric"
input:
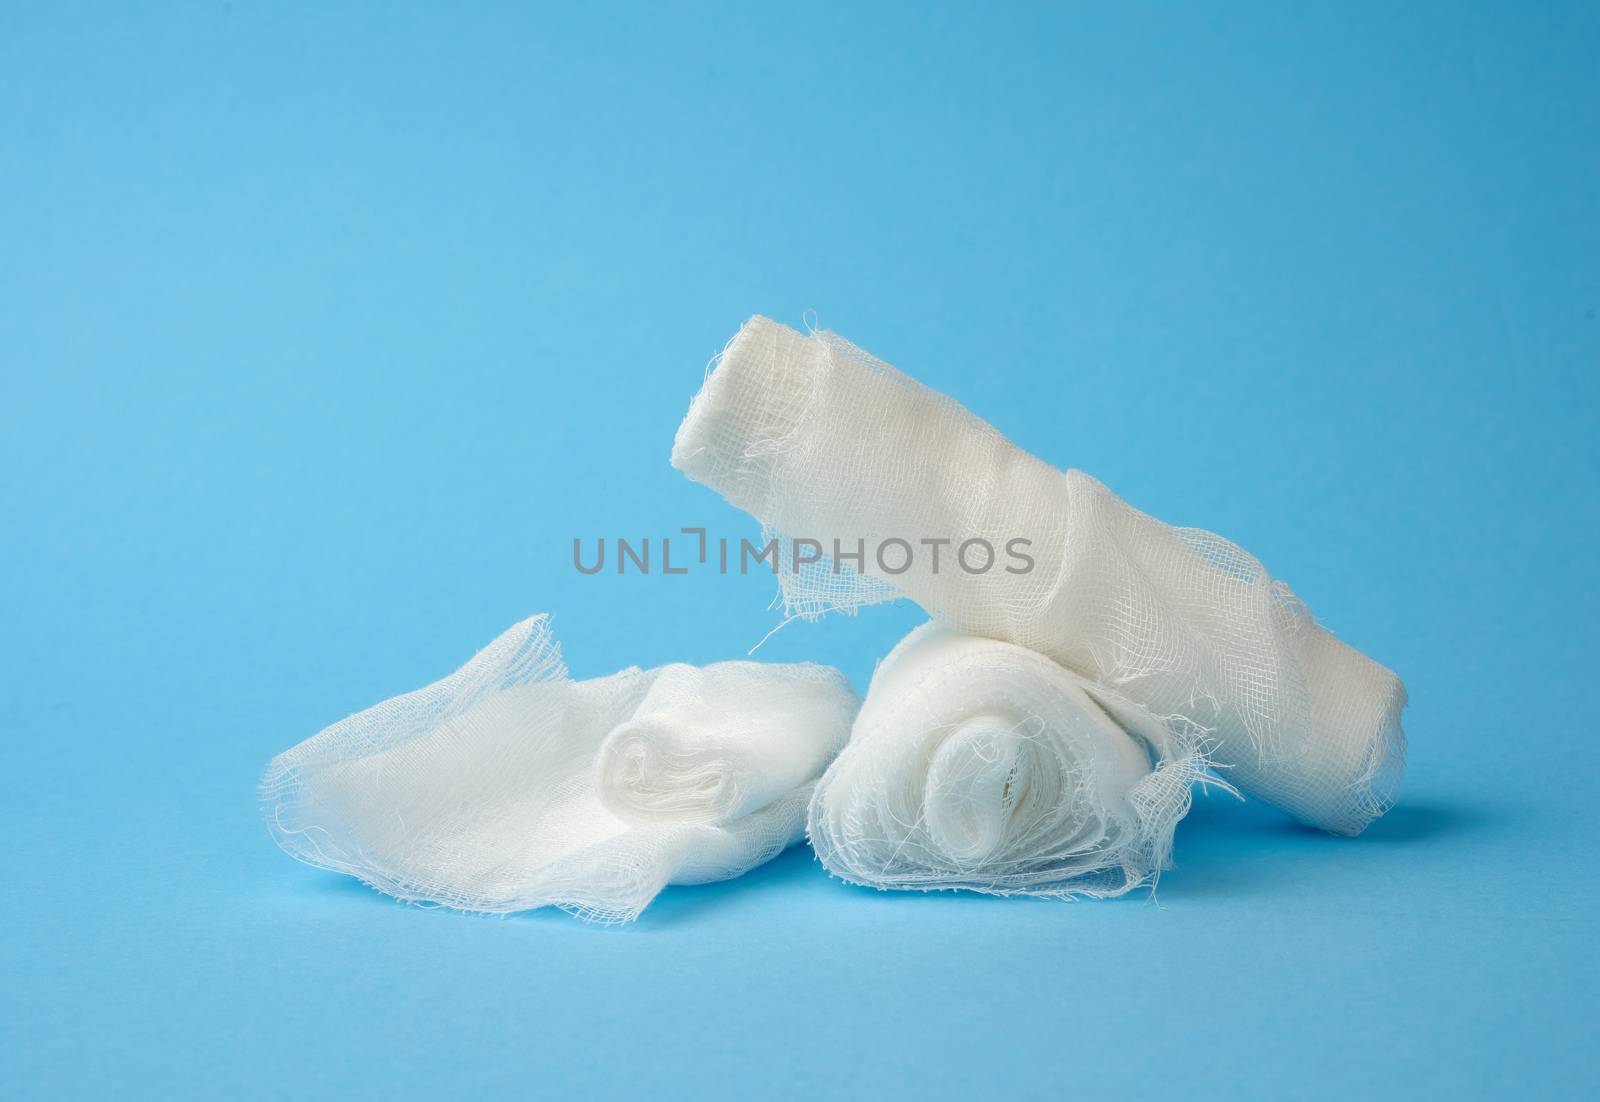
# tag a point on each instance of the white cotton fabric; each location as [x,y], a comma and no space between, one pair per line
[507,786]
[983,765]
[819,440]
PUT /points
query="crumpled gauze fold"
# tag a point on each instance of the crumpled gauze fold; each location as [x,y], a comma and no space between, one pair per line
[982,765]
[820,441]
[508,786]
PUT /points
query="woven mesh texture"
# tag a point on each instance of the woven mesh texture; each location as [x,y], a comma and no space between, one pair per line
[507,786]
[817,439]
[982,765]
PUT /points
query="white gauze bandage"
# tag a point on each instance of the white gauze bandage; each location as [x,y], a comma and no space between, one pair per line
[821,442]
[508,786]
[983,765]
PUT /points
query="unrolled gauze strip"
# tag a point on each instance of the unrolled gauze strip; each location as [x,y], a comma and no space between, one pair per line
[820,441]
[508,786]
[983,765]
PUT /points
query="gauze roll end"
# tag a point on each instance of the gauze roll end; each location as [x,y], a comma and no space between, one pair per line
[1357,752]
[980,765]
[649,772]
[1344,770]
[711,745]
[751,405]
[980,779]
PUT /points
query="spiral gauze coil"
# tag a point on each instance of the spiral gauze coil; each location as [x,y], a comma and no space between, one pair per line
[983,765]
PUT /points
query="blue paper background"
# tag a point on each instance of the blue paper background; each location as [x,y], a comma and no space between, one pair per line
[323,332]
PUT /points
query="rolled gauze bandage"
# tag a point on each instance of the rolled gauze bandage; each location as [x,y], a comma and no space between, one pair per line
[507,786]
[715,744]
[906,493]
[983,765]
